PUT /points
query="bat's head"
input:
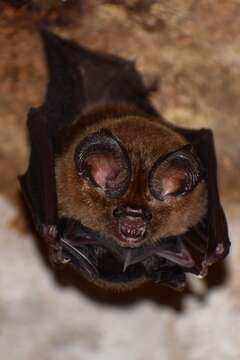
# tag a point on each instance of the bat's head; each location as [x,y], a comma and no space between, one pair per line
[133,180]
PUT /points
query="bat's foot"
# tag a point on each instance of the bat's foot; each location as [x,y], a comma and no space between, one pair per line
[51,236]
[56,255]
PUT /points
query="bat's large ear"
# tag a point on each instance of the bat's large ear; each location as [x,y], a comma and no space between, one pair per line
[101,159]
[209,240]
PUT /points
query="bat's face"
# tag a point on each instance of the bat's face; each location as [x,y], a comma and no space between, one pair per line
[132,180]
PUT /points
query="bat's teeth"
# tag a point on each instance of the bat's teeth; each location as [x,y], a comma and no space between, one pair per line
[127,261]
[132,230]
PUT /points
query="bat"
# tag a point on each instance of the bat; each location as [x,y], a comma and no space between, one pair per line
[114,189]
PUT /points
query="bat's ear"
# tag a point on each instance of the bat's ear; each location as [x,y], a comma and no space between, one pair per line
[210,238]
[102,159]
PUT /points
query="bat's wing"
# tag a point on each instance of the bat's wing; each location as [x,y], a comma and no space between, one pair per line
[38,183]
[208,242]
[78,79]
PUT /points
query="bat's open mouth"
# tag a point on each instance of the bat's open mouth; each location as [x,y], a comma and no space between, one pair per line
[131,231]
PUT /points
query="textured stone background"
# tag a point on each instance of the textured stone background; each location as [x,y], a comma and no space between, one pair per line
[193,47]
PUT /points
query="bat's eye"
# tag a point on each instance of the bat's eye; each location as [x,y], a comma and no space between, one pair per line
[175,174]
[102,160]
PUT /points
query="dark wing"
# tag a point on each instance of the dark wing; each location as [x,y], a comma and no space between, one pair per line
[208,242]
[38,184]
[81,78]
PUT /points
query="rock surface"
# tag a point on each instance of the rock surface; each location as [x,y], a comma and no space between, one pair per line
[193,47]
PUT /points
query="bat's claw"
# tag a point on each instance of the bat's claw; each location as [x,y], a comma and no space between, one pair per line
[51,236]
[56,255]
[49,233]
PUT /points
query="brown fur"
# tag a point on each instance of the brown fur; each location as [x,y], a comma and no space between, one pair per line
[121,286]
[145,140]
